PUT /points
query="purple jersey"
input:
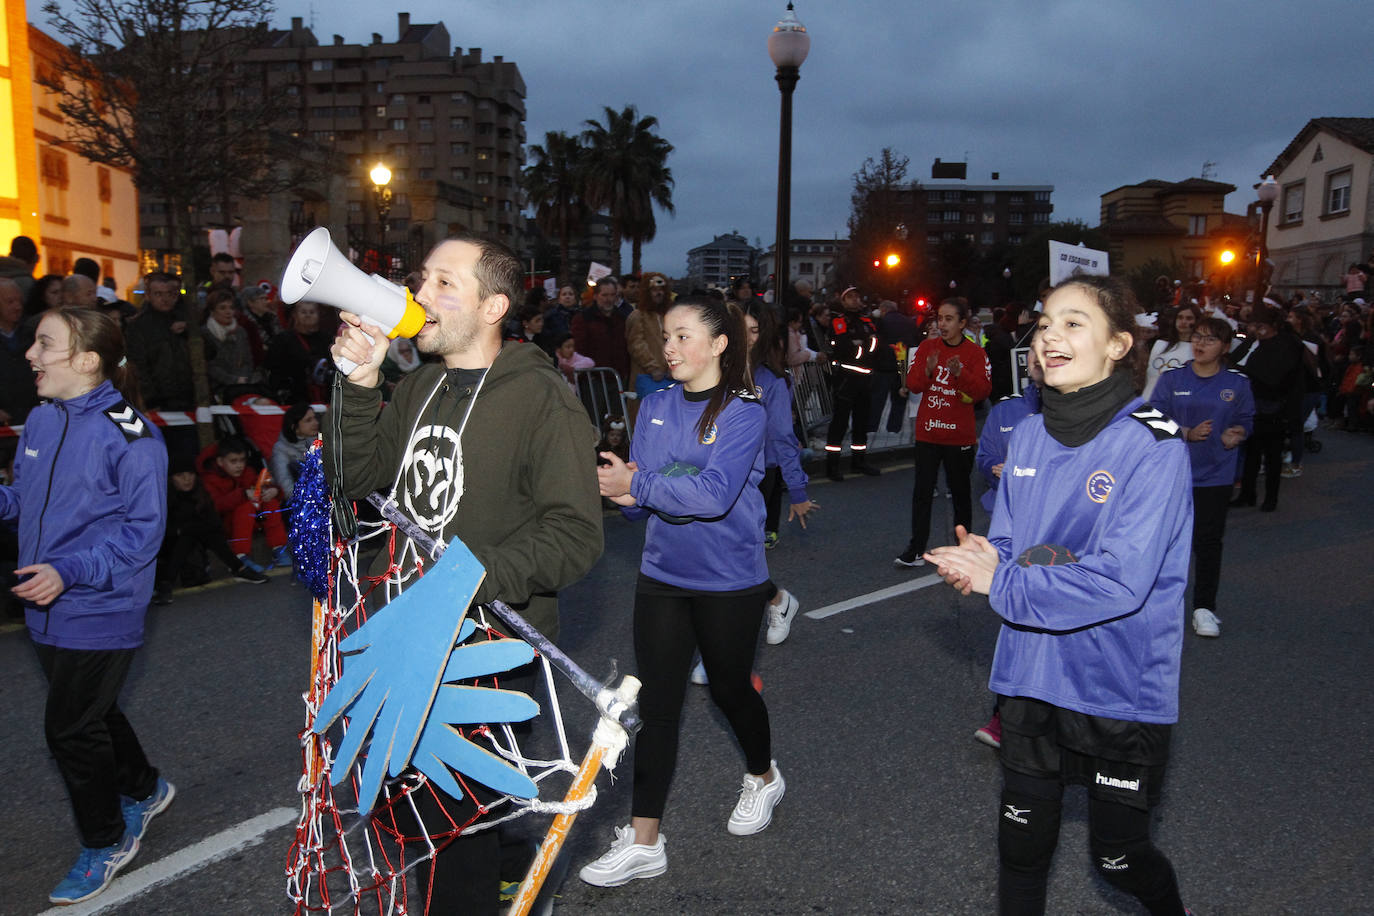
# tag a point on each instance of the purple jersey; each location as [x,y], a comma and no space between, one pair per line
[1100,635]
[706,530]
[1225,399]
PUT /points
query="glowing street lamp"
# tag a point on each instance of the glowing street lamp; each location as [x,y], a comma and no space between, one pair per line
[1227,257]
[1267,191]
[892,260]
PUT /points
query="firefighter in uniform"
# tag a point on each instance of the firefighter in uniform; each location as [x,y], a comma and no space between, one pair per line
[854,355]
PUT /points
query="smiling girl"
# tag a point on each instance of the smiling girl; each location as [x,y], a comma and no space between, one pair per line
[1216,412]
[950,373]
[1174,347]
[1086,562]
[90,481]
[696,462]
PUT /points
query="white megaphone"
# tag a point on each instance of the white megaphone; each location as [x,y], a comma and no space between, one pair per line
[318,268]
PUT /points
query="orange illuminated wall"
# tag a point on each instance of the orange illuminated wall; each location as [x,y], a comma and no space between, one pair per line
[19,204]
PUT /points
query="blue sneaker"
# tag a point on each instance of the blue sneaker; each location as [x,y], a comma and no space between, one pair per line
[94,870]
[138,814]
[248,563]
[282,557]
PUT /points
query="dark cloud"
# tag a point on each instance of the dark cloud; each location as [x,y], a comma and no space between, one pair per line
[1086,95]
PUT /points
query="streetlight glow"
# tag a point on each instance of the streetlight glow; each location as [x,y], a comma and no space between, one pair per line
[893,260]
[1228,256]
[380,175]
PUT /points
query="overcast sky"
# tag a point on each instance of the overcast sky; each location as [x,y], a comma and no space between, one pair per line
[1086,95]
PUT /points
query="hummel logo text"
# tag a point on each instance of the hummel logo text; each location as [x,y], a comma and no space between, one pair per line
[30,452]
[1019,471]
[1132,784]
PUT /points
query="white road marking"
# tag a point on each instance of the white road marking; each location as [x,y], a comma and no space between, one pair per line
[196,856]
[881,594]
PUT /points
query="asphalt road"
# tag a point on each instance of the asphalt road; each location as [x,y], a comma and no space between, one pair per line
[891,806]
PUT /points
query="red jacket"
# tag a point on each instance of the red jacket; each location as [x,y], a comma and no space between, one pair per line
[945,416]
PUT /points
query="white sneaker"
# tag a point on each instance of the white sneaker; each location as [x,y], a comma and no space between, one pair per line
[780,617]
[1205,623]
[626,860]
[699,674]
[757,798]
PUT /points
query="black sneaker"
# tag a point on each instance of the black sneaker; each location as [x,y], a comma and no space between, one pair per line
[162,595]
[248,574]
[909,558]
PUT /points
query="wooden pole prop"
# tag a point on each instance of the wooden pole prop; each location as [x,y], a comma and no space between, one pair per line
[314,762]
[609,738]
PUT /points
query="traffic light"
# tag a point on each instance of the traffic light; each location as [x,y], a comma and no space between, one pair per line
[877,263]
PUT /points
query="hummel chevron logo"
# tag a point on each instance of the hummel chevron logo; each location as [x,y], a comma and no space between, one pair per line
[129,421]
[1156,420]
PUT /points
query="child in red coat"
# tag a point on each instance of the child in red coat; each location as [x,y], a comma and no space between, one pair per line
[242,504]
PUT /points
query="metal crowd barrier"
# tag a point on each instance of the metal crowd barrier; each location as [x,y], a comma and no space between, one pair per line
[811,396]
[600,391]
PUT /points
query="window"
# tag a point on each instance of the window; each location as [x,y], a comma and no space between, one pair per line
[1338,192]
[422,99]
[484,178]
[459,123]
[989,198]
[985,239]
[458,174]
[398,123]
[1042,197]
[989,217]
[424,149]
[1019,219]
[1017,199]
[426,124]
[457,149]
[934,197]
[1041,219]
[426,174]
[1014,239]
[398,98]
[953,197]
[322,111]
[953,216]
[1197,225]
[318,65]
[805,267]
[1111,211]
[1292,203]
[1195,266]
[400,151]
[379,87]
[461,98]
[970,217]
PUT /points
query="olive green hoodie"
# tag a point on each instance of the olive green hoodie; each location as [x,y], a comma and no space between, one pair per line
[521,490]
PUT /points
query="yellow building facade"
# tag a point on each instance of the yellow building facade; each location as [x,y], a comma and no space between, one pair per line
[69,206]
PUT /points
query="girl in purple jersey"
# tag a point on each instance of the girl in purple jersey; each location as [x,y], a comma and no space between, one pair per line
[1086,562]
[696,462]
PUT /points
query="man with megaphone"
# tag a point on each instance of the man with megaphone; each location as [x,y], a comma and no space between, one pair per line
[487,444]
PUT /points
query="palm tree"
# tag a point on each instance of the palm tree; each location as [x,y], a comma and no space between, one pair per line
[551,185]
[626,173]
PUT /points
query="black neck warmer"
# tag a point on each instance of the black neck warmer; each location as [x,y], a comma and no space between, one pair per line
[1073,419]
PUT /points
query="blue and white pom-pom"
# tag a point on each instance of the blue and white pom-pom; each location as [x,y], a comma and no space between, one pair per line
[310,523]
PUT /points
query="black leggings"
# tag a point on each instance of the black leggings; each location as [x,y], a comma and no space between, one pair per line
[958,462]
[1119,839]
[94,746]
[1209,525]
[666,631]
[771,487]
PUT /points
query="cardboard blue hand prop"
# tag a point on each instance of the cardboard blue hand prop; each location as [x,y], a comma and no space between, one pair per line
[442,747]
[389,685]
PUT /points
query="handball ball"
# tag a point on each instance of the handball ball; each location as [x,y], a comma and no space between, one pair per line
[678,469]
[1046,555]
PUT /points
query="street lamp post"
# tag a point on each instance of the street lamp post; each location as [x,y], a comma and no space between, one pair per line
[787,46]
[381,194]
[1267,191]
